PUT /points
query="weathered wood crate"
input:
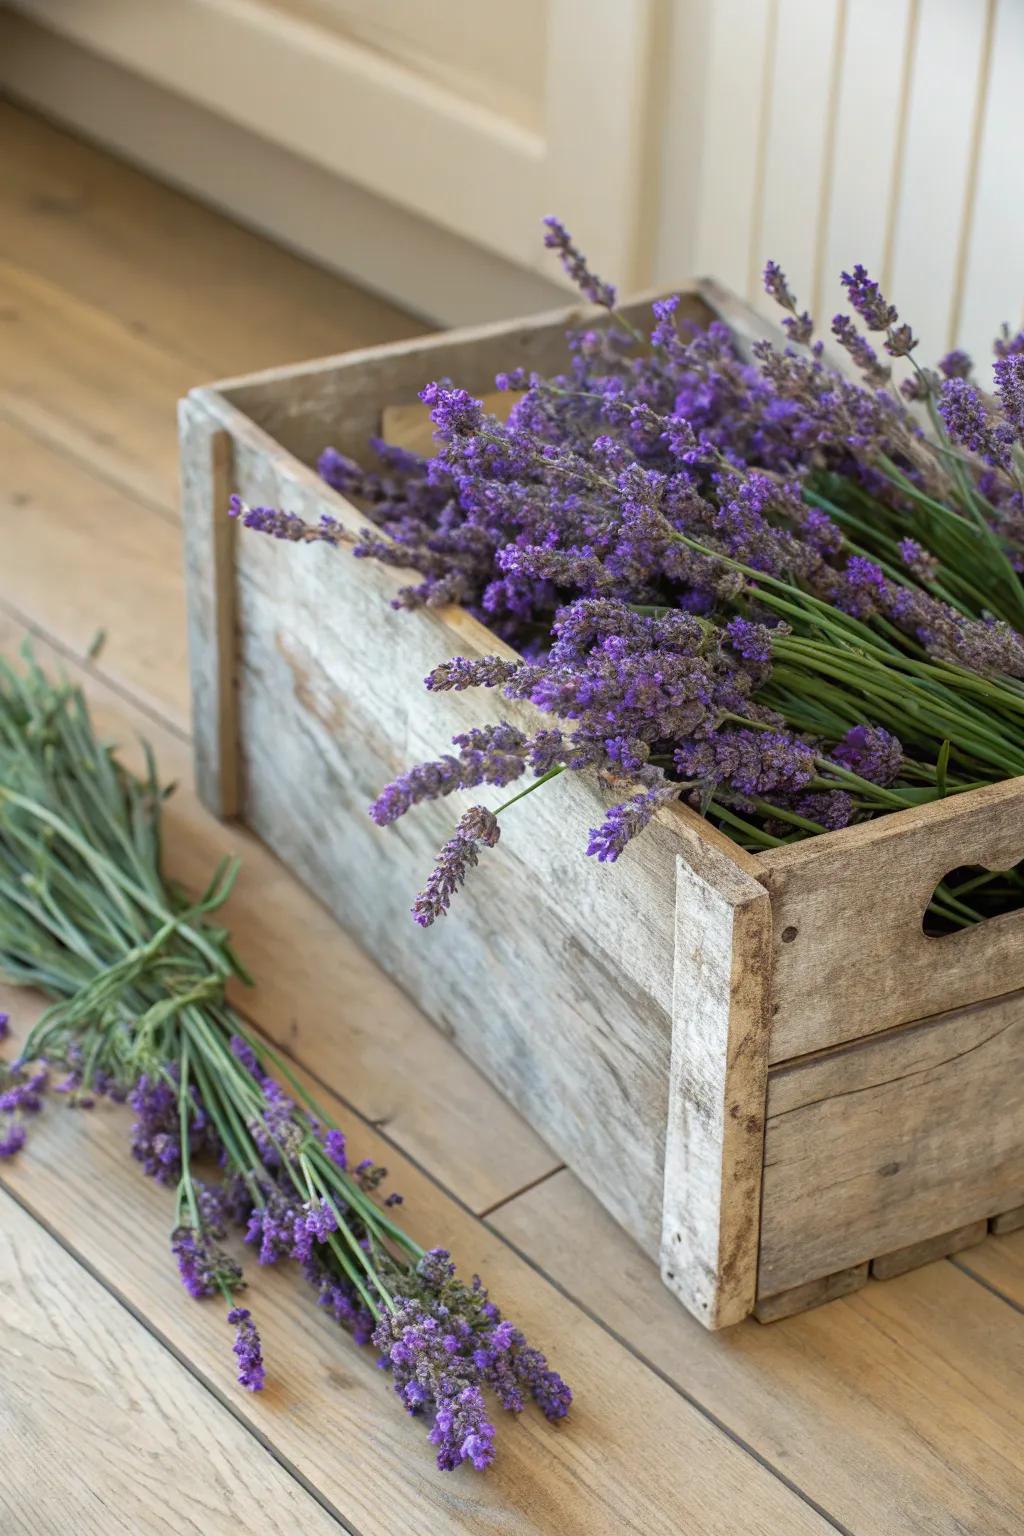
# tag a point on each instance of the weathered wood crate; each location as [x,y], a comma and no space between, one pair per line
[763,1067]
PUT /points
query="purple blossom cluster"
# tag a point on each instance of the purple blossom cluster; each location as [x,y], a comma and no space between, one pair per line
[647,529]
[443,1343]
[22,1086]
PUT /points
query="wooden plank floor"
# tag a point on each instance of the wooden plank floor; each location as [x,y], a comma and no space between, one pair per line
[897,1410]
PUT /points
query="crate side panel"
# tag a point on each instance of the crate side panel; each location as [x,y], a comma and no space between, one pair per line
[553,972]
[850,954]
[887,1142]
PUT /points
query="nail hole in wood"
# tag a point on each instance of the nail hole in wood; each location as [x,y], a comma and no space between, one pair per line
[788,935]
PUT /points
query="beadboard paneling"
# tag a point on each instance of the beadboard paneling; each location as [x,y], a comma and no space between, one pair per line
[882,131]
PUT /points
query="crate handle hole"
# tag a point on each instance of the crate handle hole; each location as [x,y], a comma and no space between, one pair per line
[970,895]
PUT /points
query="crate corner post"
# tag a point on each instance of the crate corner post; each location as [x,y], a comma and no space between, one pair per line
[714,1150]
[209,538]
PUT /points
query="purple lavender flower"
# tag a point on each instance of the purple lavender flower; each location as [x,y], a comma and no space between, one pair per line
[272,1225]
[967,422]
[314,1224]
[156,1132]
[426,781]
[458,856]
[917,559]
[251,1374]
[443,1343]
[494,754]
[557,238]
[750,762]
[25,1089]
[289,526]
[832,809]
[624,821]
[866,298]
[334,1146]
[5,1025]
[860,589]
[1009,376]
[454,412]
[752,641]
[863,354]
[204,1268]
[471,672]
[871,752]
[799,327]
[955,365]
[243,1052]
[12,1138]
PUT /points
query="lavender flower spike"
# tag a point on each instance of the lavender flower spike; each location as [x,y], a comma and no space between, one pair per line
[877,314]
[623,822]
[557,238]
[251,1374]
[1009,375]
[799,328]
[967,422]
[471,672]
[458,856]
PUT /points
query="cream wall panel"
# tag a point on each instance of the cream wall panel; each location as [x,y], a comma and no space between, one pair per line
[739,44]
[993,289]
[837,131]
[797,144]
[935,196]
[865,163]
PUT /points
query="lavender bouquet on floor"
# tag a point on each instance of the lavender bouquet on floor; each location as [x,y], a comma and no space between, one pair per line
[138,973]
[786,593]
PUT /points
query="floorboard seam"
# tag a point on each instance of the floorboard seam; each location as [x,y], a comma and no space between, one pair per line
[541,1178]
[987,1285]
[183,1360]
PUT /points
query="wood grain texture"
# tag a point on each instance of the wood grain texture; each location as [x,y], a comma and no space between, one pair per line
[718,1070]
[88,384]
[90,559]
[886,1142]
[206,484]
[888,1265]
[813,1293]
[104,1430]
[317,993]
[855,959]
[181,275]
[899,1409]
[329,1411]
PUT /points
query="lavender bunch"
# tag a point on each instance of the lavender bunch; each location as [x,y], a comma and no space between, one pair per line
[138,973]
[758,585]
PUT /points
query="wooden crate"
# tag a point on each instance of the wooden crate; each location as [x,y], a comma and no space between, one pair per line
[762,1066]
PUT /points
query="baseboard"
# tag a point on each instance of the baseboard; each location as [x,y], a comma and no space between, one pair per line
[445,280]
